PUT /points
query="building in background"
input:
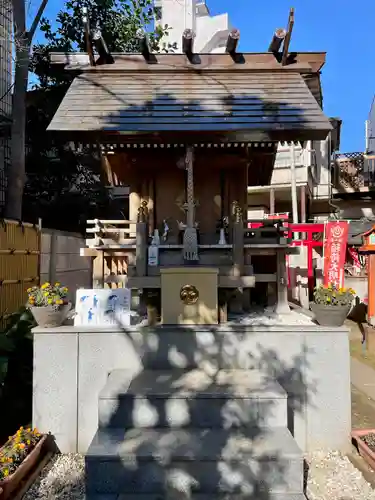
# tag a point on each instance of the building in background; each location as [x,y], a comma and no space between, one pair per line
[370,130]
[211,32]
[5,92]
[269,185]
[353,178]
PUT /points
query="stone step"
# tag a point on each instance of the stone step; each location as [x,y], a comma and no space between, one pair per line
[166,461]
[179,398]
[198,496]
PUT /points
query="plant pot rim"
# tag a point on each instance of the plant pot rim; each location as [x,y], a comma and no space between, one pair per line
[359,433]
[38,446]
[60,306]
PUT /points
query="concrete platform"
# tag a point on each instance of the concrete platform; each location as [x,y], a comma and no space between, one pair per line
[180,398]
[299,357]
[194,460]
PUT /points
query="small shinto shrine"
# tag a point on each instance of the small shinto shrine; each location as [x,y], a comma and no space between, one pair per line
[185,133]
[182,406]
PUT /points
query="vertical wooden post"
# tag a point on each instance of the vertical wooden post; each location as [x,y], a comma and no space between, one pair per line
[282,306]
[134,205]
[272,201]
[238,248]
[40,236]
[98,270]
[238,258]
[52,258]
[303,204]
[141,249]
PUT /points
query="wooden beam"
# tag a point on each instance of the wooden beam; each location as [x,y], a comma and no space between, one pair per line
[78,61]
[288,37]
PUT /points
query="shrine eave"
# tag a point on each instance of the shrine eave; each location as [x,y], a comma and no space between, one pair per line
[192,107]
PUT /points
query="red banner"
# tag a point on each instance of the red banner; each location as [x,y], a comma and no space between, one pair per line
[335,240]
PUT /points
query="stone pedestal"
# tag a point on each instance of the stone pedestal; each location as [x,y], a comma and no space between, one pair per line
[189,295]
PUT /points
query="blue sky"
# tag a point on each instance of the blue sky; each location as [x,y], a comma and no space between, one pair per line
[348,77]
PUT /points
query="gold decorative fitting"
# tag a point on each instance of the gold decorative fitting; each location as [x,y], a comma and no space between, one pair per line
[189,294]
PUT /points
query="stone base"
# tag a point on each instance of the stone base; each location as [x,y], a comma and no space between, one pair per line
[298,356]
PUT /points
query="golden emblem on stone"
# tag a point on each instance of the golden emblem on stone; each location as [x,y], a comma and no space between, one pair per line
[189,294]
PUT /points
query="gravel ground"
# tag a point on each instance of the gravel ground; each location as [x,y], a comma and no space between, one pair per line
[61,479]
[268,317]
[330,477]
[334,477]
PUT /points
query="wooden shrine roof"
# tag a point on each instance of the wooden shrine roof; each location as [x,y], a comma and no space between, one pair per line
[258,100]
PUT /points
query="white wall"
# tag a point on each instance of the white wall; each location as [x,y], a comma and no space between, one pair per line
[322,171]
[211,31]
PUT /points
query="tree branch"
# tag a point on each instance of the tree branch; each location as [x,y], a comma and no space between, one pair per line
[37,18]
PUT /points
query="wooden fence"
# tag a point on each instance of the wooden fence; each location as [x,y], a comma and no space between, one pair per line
[20,245]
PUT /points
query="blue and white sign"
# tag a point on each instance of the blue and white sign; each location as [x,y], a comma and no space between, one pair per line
[103,307]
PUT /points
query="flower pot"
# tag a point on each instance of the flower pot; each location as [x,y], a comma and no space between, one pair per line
[365,451]
[12,482]
[327,315]
[48,317]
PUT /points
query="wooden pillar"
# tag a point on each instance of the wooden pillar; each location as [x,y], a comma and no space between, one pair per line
[272,201]
[107,169]
[238,248]
[98,270]
[134,205]
[141,249]
[282,306]
[238,259]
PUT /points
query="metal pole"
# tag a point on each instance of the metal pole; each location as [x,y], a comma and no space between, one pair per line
[293,186]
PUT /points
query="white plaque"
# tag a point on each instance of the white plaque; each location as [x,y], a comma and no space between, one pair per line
[103,307]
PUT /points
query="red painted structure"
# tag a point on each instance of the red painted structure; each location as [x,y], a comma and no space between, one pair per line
[308,230]
[306,234]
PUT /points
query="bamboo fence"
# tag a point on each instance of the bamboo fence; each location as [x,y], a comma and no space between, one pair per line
[20,245]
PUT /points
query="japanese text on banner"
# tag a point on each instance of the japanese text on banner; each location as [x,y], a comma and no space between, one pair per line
[335,240]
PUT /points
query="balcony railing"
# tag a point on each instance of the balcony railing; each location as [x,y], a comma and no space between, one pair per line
[353,172]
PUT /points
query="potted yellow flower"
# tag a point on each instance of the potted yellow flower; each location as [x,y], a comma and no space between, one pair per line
[18,457]
[49,304]
[331,305]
